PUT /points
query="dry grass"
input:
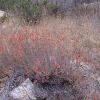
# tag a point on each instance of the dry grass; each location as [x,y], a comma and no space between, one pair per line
[76,35]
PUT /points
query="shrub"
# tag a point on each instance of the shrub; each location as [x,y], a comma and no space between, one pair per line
[25,8]
[28,10]
[52,8]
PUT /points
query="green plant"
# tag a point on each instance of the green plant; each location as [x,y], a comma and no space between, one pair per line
[52,8]
[29,11]
[45,2]
[25,8]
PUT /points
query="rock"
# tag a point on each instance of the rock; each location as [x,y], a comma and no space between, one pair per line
[3,16]
[2,13]
[24,92]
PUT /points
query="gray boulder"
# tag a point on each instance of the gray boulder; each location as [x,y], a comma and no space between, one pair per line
[3,16]
[23,92]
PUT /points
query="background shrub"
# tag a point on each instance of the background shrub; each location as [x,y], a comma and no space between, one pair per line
[52,9]
[28,10]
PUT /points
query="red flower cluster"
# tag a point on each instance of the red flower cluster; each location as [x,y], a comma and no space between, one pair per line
[2,49]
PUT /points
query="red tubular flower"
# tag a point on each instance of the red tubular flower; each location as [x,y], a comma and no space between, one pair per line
[37,69]
[2,49]
[12,39]
[18,51]
[95,97]
[16,38]
[32,36]
[20,37]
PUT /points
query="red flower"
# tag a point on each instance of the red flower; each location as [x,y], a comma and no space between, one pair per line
[18,51]
[37,70]
[94,97]
[20,37]
[1,49]
[33,36]
[16,38]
